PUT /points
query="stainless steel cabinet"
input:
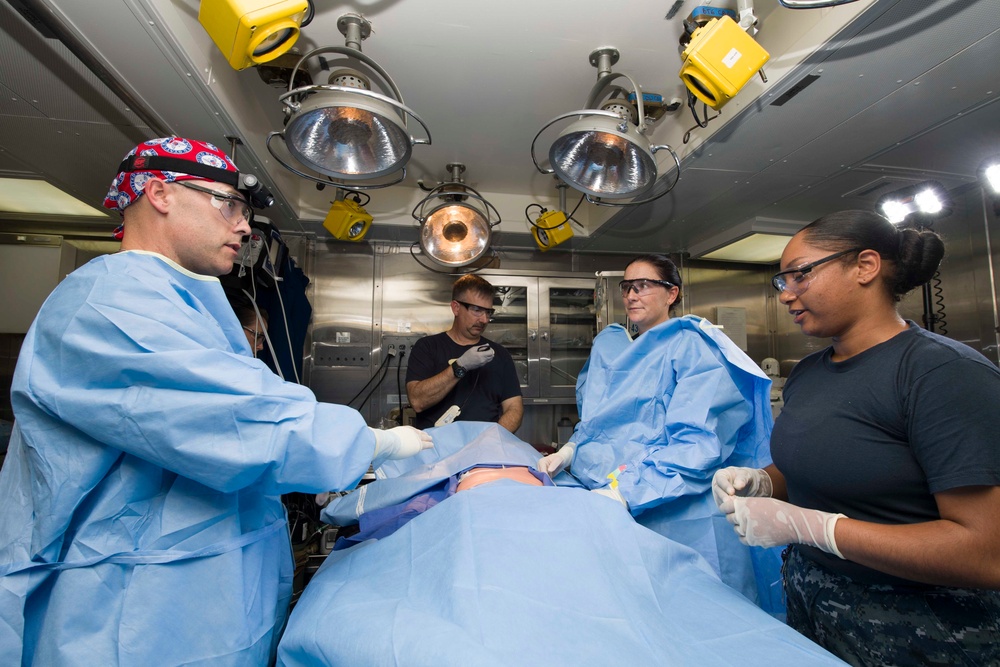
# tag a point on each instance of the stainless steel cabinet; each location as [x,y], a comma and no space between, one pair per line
[548,325]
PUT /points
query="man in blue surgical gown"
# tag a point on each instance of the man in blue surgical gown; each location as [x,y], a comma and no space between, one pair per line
[142,522]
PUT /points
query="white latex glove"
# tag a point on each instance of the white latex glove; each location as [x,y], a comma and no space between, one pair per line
[747,482]
[476,356]
[399,442]
[555,463]
[767,522]
[612,493]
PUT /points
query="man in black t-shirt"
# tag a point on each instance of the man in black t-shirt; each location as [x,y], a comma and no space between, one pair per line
[458,374]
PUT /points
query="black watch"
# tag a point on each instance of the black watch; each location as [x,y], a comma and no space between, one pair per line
[458,370]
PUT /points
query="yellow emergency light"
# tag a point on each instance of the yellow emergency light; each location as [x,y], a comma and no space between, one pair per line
[719,61]
[550,229]
[347,220]
[251,32]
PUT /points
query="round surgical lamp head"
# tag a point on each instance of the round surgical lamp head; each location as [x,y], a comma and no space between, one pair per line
[344,133]
[603,152]
[455,234]
[456,223]
[604,157]
[336,133]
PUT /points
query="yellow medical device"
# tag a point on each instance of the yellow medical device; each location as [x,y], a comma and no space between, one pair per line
[719,61]
[550,229]
[347,220]
[251,32]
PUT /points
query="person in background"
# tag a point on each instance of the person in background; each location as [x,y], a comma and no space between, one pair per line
[142,522]
[253,321]
[460,370]
[661,413]
[887,452]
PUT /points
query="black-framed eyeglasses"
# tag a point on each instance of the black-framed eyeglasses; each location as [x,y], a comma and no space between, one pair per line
[642,286]
[256,333]
[232,207]
[797,280]
[478,310]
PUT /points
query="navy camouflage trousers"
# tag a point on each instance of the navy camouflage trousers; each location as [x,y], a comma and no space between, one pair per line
[876,625]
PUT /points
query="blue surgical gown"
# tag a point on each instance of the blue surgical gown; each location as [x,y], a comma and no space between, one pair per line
[659,415]
[142,522]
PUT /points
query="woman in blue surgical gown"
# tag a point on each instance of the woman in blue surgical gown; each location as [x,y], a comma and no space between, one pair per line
[662,412]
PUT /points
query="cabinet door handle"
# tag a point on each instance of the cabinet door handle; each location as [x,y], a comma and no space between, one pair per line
[545,335]
[532,334]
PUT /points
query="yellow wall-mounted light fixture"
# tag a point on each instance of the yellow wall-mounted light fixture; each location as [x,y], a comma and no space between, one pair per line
[920,203]
[343,133]
[551,228]
[604,152]
[456,223]
[754,241]
[251,32]
[719,60]
[348,220]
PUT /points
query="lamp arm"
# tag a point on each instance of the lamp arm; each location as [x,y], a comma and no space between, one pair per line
[578,112]
[353,53]
[677,177]
[325,180]
[605,81]
[289,100]
[440,191]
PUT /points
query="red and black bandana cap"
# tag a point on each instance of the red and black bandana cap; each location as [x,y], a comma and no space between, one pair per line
[170,159]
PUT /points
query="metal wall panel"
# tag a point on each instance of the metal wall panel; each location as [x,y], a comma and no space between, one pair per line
[343,300]
[368,292]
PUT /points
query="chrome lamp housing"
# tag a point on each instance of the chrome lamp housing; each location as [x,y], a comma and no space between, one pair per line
[604,152]
[456,223]
[343,133]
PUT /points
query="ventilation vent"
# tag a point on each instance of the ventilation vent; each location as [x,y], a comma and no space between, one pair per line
[803,83]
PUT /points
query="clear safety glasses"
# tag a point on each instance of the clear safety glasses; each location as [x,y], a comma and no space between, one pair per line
[478,311]
[642,286]
[232,207]
[797,280]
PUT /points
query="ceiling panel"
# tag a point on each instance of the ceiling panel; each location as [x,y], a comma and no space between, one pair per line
[487,76]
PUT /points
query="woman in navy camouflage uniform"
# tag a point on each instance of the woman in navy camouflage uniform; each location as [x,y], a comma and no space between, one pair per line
[888,453]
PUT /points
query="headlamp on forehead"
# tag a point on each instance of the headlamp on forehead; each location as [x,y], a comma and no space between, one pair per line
[255,192]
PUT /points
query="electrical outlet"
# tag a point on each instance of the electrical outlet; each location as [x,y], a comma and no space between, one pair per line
[327,355]
[401,343]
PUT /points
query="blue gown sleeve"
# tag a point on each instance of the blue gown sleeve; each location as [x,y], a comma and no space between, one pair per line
[150,373]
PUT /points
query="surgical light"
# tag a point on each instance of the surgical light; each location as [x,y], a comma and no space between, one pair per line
[347,220]
[251,32]
[344,133]
[456,223]
[604,152]
[921,203]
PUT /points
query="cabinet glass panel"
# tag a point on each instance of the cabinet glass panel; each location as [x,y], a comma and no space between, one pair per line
[572,325]
[509,326]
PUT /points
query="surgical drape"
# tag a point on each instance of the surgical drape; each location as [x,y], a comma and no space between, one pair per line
[142,522]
